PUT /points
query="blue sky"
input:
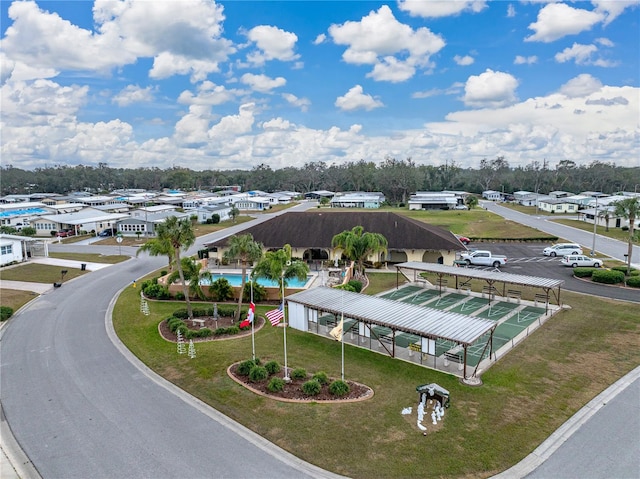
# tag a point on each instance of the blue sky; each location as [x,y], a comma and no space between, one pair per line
[236,84]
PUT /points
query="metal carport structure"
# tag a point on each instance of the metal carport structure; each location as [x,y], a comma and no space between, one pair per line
[368,311]
[490,277]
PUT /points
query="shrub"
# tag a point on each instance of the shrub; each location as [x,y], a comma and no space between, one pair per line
[181,313]
[356,285]
[299,373]
[229,330]
[275,385]
[272,367]
[311,387]
[632,271]
[608,276]
[175,323]
[215,218]
[198,333]
[179,296]
[583,272]
[339,388]
[155,291]
[258,373]
[5,313]
[221,290]
[244,368]
[321,377]
[259,293]
[633,281]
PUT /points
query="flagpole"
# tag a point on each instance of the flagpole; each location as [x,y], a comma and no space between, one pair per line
[253,341]
[286,369]
[342,335]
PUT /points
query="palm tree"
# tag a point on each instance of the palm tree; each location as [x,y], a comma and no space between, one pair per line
[179,234]
[629,208]
[191,270]
[357,246]
[158,247]
[472,201]
[246,250]
[277,266]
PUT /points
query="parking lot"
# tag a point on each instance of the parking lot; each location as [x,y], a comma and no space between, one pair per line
[527,258]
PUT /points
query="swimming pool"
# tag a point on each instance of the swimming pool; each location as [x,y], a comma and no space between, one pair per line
[235,279]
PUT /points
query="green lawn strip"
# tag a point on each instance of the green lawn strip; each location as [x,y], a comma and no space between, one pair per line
[15,299]
[40,273]
[615,233]
[572,357]
[90,257]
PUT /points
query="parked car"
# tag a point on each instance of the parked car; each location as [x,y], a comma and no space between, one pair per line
[107,232]
[463,239]
[484,258]
[65,233]
[461,207]
[576,260]
[562,249]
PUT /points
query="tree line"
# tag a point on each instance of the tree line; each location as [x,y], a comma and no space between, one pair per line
[396,179]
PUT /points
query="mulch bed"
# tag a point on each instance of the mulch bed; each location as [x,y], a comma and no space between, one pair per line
[212,324]
[293,390]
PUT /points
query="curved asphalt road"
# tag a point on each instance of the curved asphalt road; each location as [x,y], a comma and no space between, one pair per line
[79,408]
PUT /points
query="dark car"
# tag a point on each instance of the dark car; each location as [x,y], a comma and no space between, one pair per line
[107,232]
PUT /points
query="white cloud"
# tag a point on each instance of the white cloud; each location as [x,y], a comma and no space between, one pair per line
[464,61]
[380,40]
[557,20]
[181,37]
[605,42]
[490,89]
[208,93]
[613,8]
[273,44]
[582,85]
[511,11]
[355,99]
[234,125]
[320,39]
[454,89]
[440,8]
[133,94]
[520,60]
[302,103]
[582,55]
[262,83]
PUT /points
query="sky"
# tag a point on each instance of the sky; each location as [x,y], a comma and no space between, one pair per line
[221,85]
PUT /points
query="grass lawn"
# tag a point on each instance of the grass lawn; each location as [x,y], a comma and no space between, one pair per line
[15,299]
[524,398]
[615,233]
[39,273]
[91,257]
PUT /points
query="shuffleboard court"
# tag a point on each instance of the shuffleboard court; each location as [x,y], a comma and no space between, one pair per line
[421,297]
[403,340]
[470,306]
[497,310]
[401,293]
[447,300]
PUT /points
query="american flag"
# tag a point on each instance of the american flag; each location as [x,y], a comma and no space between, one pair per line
[275,316]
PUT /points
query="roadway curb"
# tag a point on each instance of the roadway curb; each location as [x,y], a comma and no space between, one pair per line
[564,432]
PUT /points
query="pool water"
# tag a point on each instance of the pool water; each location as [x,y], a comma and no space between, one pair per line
[236,280]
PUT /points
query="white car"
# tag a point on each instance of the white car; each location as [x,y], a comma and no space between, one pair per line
[576,260]
[562,249]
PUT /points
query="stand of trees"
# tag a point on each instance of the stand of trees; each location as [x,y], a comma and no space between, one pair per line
[397,179]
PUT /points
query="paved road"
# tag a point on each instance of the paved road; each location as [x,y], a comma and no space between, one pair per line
[81,406]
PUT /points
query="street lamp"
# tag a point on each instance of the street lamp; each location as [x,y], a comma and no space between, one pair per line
[595,225]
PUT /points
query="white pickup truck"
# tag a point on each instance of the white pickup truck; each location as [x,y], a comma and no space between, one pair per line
[483,258]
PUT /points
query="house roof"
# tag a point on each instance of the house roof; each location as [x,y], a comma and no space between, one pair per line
[317,229]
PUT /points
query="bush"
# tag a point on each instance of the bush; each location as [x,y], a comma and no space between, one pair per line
[229,330]
[275,385]
[321,377]
[311,387]
[244,368]
[259,293]
[272,367]
[356,285]
[258,373]
[339,388]
[175,323]
[221,290]
[181,313]
[215,218]
[583,272]
[179,296]
[632,272]
[633,281]
[5,313]
[155,291]
[299,373]
[198,333]
[607,276]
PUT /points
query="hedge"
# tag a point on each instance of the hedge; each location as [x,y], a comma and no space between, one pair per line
[633,281]
[607,276]
[5,313]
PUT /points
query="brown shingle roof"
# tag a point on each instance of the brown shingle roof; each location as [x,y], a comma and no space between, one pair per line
[317,229]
